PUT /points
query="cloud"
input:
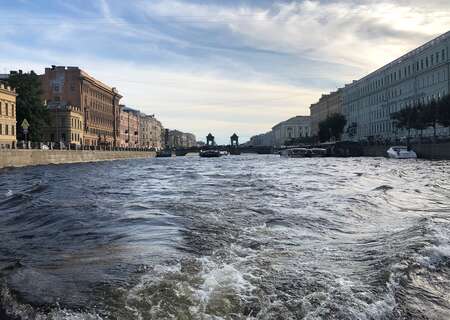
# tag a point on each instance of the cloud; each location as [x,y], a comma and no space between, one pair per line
[220,66]
[365,34]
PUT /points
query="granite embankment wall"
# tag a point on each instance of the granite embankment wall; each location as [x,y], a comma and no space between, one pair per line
[21,158]
[437,151]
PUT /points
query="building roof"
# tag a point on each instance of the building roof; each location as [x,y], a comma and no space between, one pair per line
[293,120]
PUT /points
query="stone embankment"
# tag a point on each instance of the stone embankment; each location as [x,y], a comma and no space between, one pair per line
[22,158]
[434,151]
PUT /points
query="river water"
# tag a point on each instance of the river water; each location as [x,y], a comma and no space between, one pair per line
[240,237]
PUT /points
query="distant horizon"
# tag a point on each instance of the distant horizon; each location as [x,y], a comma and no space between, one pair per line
[212,67]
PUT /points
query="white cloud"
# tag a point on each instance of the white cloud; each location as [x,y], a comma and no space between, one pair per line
[365,34]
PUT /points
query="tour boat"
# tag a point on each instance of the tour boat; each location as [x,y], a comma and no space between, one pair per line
[210,153]
[165,154]
[294,153]
[401,152]
[317,152]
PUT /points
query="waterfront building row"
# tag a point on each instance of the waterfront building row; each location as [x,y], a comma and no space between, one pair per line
[295,128]
[74,97]
[421,75]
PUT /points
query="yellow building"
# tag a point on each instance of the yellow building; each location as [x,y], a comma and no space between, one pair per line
[7,117]
[66,124]
[328,105]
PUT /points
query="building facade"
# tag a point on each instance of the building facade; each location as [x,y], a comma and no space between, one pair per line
[7,117]
[178,139]
[419,76]
[99,103]
[129,128]
[327,105]
[66,124]
[151,132]
[293,128]
[262,140]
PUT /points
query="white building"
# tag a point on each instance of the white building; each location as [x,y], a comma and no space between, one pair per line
[420,75]
[264,139]
[296,127]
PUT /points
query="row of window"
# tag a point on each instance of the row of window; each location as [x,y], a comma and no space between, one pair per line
[7,130]
[7,109]
[400,73]
[383,97]
[76,123]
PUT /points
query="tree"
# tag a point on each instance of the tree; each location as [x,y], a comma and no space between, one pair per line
[29,104]
[403,119]
[332,127]
[444,111]
[430,115]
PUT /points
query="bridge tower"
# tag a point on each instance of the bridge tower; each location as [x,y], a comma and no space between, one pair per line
[234,140]
[210,140]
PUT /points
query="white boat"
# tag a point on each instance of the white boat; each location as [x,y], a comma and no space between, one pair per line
[294,153]
[401,152]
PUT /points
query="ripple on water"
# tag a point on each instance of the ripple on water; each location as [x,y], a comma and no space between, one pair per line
[245,237]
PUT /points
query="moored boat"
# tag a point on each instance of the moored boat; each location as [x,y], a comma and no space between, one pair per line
[401,152]
[317,152]
[210,153]
[165,154]
[294,153]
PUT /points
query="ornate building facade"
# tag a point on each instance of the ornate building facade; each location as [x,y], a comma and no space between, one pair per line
[151,132]
[7,117]
[293,128]
[99,103]
[419,76]
[328,104]
[66,124]
[129,127]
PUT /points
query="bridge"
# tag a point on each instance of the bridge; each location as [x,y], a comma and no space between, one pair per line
[233,148]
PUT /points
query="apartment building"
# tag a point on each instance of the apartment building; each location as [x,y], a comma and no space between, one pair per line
[419,76]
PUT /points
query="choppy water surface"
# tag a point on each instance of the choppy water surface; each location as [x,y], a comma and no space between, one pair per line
[243,237]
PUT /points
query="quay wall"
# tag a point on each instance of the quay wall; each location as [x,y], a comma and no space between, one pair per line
[22,158]
[435,151]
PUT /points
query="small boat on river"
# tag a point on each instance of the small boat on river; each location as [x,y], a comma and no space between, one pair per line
[210,153]
[165,154]
[401,152]
[317,152]
[294,153]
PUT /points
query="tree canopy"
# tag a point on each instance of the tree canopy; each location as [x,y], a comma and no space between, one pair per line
[29,104]
[332,127]
[423,116]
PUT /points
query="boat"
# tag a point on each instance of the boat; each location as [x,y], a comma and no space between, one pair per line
[317,152]
[224,153]
[235,152]
[181,153]
[294,153]
[165,154]
[210,153]
[401,152]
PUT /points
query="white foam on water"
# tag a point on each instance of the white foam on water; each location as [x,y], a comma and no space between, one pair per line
[25,311]
[9,193]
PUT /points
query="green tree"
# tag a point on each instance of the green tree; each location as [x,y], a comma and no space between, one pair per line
[403,119]
[430,115]
[444,111]
[332,127]
[29,104]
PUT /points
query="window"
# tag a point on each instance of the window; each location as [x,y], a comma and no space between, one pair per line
[7,109]
[1,129]
[6,130]
[443,54]
[13,131]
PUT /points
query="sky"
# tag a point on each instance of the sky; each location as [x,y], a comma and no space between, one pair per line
[219,66]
